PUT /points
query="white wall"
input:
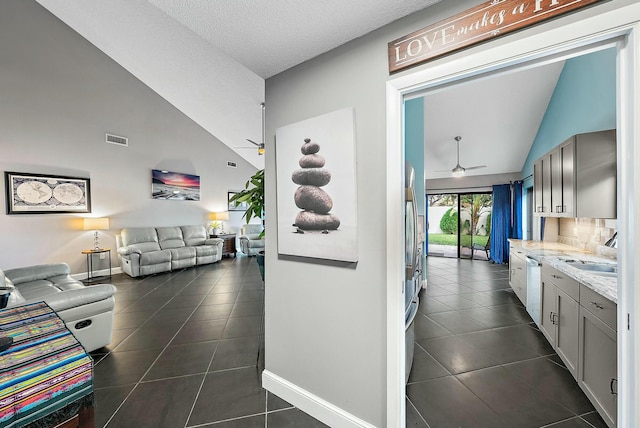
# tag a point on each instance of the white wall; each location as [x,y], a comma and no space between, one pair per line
[59,95]
[214,90]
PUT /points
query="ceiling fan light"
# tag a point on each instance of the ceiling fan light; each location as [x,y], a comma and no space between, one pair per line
[458,171]
[260,150]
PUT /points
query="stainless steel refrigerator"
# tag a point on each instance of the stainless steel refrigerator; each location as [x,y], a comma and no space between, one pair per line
[413,269]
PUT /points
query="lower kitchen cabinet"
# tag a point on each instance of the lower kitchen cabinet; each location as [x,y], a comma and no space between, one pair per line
[559,324]
[518,274]
[567,334]
[581,324]
[597,375]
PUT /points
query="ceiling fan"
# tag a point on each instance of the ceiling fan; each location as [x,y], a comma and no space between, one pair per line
[458,170]
[260,146]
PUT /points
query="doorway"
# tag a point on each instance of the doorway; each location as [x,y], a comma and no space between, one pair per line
[459,225]
[612,29]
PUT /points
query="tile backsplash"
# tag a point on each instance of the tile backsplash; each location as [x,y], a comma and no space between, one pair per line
[587,234]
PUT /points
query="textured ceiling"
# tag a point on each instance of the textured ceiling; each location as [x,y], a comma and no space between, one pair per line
[269,37]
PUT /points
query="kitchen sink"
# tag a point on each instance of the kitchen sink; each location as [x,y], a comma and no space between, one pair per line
[597,268]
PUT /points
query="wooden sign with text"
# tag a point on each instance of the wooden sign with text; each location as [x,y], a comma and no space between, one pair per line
[488,20]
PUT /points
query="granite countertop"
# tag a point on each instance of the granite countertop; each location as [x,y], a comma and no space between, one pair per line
[556,254]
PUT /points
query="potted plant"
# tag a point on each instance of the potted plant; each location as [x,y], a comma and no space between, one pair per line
[253,196]
[215,227]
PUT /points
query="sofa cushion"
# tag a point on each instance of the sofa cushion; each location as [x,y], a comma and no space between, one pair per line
[194,235]
[66,282]
[255,243]
[139,235]
[205,250]
[182,253]
[32,273]
[39,289]
[155,257]
[170,237]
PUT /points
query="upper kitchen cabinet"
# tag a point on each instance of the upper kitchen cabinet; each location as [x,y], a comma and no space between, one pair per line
[578,178]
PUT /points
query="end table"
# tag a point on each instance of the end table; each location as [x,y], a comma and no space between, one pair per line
[90,254]
[229,244]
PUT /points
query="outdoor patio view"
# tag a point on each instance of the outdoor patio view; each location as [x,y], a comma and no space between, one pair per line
[459,225]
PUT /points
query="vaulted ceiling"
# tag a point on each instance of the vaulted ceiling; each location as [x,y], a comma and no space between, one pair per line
[210,59]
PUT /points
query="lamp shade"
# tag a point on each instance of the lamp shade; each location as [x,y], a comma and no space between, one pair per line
[101,223]
[220,215]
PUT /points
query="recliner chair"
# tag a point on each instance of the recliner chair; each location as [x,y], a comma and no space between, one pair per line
[87,311]
[250,241]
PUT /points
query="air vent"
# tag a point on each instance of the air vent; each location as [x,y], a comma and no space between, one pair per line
[232,164]
[115,139]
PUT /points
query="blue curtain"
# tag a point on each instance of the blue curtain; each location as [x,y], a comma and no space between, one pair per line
[516,231]
[500,223]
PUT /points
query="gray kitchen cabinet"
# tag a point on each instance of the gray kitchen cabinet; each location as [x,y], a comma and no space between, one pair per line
[562,179]
[578,178]
[548,309]
[560,315]
[567,321]
[542,186]
[597,375]
[518,273]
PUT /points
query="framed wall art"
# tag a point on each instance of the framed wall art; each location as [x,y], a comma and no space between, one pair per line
[236,206]
[316,187]
[174,186]
[29,193]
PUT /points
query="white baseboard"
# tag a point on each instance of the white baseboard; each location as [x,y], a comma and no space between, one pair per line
[83,275]
[309,403]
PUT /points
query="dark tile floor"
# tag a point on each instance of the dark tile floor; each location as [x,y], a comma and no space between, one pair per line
[185,353]
[480,361]
[186,344]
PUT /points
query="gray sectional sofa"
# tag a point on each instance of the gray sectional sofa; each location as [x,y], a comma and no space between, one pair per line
[149,250]
[87,311]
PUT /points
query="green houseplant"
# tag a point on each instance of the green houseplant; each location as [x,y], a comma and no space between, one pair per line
[253,195]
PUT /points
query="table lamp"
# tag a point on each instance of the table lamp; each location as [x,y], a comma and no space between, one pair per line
[96,224]
[220,216]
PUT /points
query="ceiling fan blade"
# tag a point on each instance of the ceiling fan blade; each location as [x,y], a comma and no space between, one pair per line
[253,142]
[443,170]
[475,167]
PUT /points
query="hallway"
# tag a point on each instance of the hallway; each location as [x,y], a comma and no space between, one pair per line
[479,360]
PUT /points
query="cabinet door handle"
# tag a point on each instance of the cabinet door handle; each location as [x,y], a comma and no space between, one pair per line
[558,208]
[553,317]
[553,275]
[613,381]
[597,305]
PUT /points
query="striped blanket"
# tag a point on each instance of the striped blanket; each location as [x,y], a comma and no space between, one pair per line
[44,370]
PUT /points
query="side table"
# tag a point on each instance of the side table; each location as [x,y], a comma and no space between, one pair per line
[90,254]
[229,244]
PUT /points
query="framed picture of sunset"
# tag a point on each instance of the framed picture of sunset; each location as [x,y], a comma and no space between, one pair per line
[174,186]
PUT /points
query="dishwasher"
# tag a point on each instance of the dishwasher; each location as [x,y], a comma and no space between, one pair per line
[533,289]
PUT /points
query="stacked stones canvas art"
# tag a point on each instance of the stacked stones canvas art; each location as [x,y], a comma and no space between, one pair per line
[316,187]
[314,202]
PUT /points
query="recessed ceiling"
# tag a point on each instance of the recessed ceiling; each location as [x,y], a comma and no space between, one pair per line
[269,37]
[497,117]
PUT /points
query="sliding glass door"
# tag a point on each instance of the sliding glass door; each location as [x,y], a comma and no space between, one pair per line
[459,224]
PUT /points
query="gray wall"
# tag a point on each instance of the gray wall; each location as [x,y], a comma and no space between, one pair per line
[326,322]
[58,96]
